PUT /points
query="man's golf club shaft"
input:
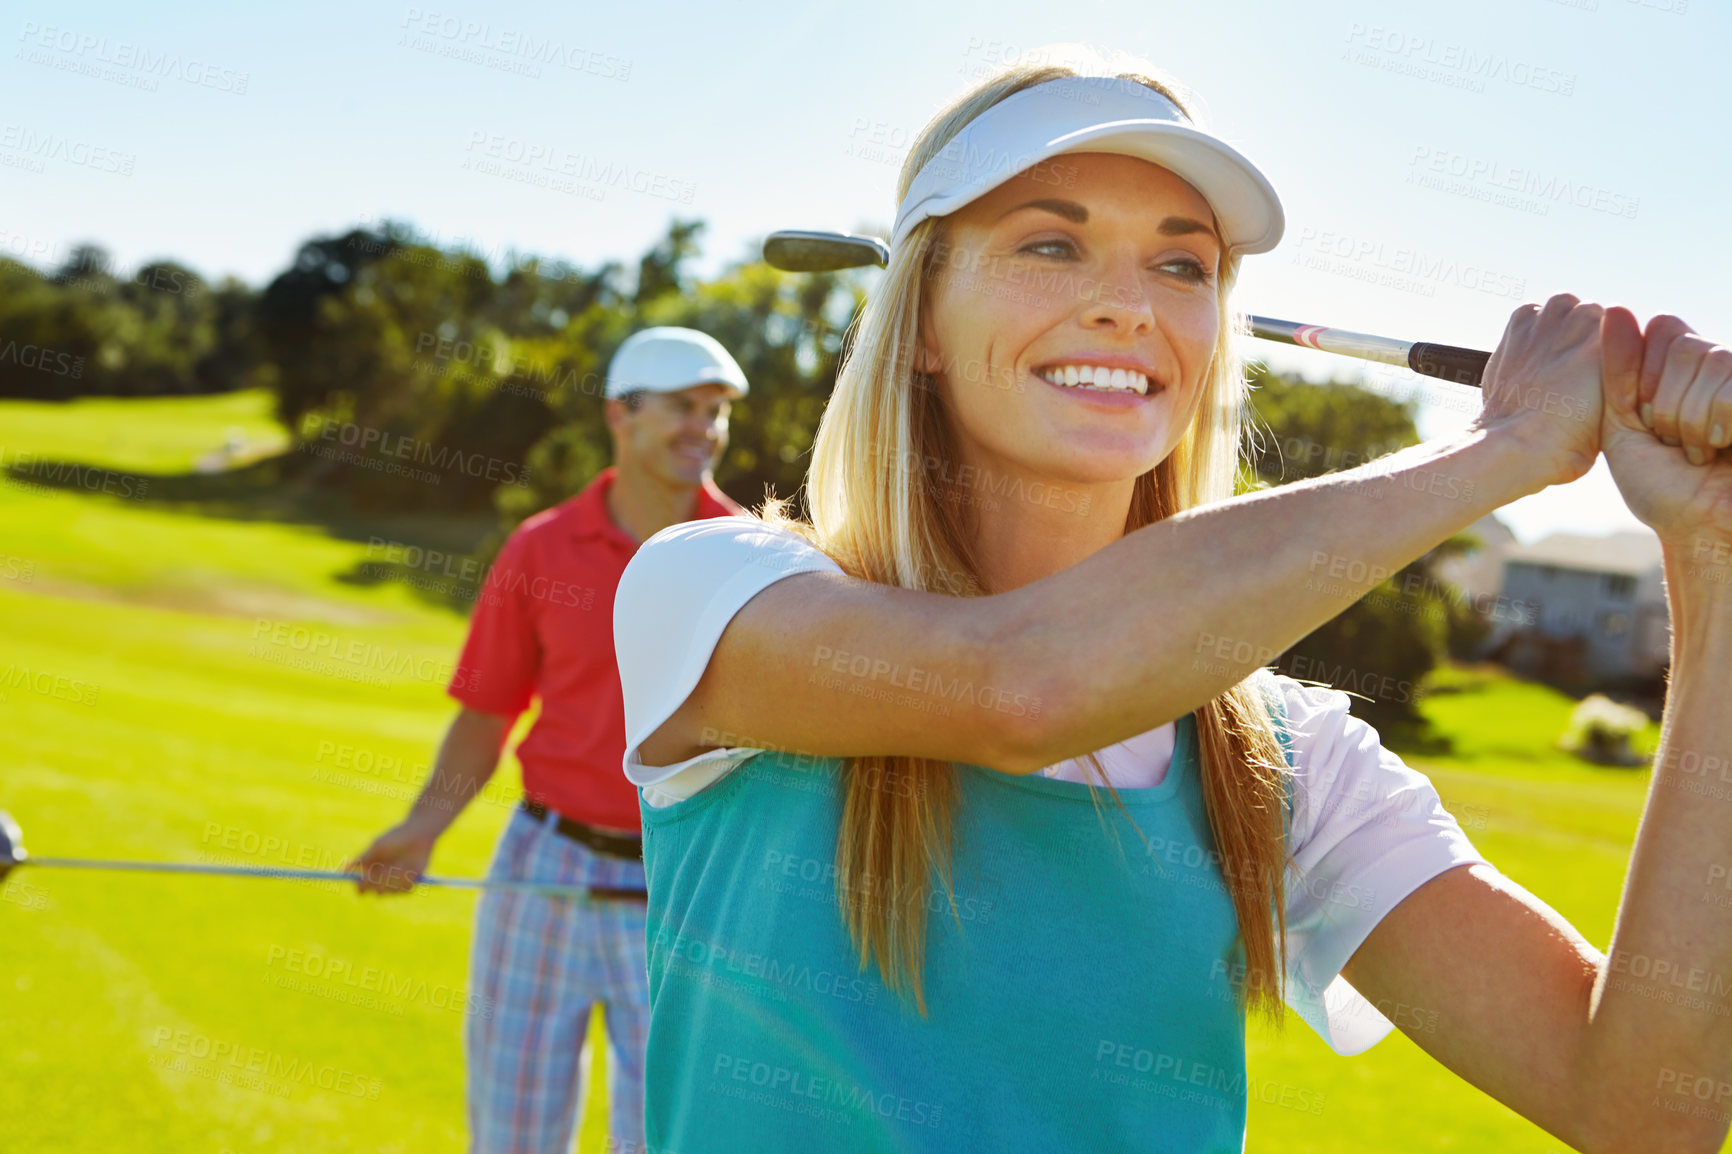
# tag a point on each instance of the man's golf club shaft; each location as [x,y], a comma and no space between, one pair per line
[551,889]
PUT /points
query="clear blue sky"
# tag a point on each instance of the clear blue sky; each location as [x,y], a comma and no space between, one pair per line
[1439,162]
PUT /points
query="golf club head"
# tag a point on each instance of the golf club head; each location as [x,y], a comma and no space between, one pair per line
[794,250]
[11,845]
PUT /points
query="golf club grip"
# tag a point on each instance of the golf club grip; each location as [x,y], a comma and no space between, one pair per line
[1447,362]
[617,894]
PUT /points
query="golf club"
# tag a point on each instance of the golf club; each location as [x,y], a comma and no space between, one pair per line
[796,250]
[13,855]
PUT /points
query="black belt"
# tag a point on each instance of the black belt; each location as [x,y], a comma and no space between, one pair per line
[611,844]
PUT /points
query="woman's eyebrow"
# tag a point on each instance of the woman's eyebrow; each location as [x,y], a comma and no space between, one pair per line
[1077,214]
[1181,225]
[1069,209]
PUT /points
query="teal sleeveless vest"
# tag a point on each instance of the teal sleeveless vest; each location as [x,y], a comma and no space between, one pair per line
[1079,995]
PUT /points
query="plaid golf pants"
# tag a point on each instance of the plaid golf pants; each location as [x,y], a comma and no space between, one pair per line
[538,965]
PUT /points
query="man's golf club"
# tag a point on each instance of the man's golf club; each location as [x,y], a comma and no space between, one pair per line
[13,855]
[794,250]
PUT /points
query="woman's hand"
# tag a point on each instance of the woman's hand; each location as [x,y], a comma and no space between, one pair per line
[1666,427]
[1542,387]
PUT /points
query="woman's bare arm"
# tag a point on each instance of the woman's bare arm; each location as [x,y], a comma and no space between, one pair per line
[1630,1051]
[1626,1052]
[1148,628]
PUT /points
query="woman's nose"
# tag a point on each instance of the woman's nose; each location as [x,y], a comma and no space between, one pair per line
[1118,297]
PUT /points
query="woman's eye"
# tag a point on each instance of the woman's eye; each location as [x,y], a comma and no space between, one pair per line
[1050,248]
[1188,268]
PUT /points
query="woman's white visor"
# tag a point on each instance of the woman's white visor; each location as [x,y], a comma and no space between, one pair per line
[1094,114]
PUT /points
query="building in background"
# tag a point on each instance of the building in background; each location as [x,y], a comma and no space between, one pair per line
[1578,612]
[1595,612]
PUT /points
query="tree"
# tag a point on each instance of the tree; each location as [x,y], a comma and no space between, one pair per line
[1312,429]
[85,329]
[401,371]
[1382,646]
[661,272]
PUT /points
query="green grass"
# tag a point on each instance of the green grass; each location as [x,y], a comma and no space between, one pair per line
[166,434]
[170,737]
[154,610]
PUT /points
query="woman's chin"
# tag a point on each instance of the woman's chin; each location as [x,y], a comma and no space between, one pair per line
[1089,456]
[1087,468]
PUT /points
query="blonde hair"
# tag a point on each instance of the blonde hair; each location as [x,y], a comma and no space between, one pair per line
[894,526]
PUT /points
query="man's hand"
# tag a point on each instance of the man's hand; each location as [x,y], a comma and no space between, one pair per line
[1542,386]
[1666,426]
[467,757]
[395,861]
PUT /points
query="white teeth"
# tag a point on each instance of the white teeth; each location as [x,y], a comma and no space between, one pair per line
[1098,377]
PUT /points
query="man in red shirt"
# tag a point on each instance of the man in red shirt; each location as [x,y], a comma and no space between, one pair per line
[543,627]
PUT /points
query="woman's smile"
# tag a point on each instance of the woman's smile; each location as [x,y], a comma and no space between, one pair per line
[1100,375]
[1118,381]
[1110,397]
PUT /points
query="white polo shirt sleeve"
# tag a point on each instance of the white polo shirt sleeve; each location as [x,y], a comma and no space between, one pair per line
[677,594]
[1366,832]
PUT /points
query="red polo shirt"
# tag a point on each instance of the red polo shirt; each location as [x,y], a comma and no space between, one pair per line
[543,626]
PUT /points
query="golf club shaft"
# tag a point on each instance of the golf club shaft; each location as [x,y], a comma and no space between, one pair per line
[550,889]
[1445,362]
